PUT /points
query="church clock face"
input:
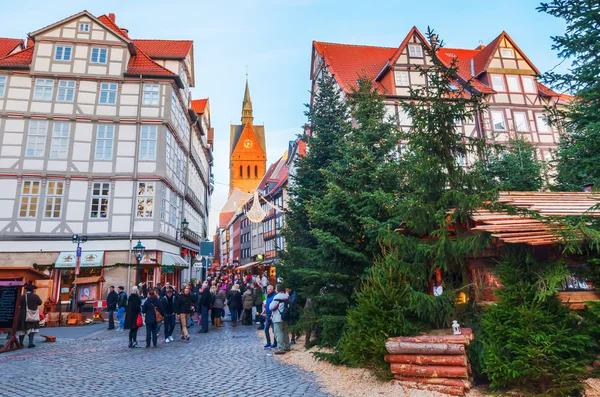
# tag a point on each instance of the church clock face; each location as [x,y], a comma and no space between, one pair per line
[247,143]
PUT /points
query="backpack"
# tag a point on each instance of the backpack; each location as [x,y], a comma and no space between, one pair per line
[159,317]
[285,311]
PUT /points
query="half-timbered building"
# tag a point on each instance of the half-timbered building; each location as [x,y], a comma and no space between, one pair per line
[99,137]
[500,71]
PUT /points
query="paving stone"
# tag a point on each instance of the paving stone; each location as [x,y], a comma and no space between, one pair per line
[226,362]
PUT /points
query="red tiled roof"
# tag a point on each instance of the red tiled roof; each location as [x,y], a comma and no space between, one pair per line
[8,45]
[301,147]
[463,63]
[224,218]
[350,62]
[142,64]
[483,58]
[165,48]
[21,58]
[199,105]
[545,91]
[113,26]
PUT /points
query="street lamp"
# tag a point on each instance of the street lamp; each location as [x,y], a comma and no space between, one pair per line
[184,224]
[77,239]
[138,251]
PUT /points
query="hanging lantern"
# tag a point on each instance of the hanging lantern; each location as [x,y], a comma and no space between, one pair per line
[256,213]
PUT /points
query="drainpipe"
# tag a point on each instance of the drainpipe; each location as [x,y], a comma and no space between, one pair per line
[135,177]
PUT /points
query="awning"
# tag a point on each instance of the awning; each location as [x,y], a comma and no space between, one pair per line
[247,266]
[89,280]
[267,262]
[173,260]
[67,260]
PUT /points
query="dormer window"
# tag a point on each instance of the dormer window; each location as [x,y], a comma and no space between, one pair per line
[415,51]
[84,27]
[507,53]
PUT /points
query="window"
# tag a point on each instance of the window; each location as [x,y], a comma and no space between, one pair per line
[256,171]
[43,89]
[59,145]
[2,85]
[100,196]
[150,95]
[404,117]
[66,91]
[542,123]
[248,171]
[62,53]
[401,77]
[168,150]
[241,170]
[98,55]
[108,93]
[164,210]
[507,53]
[458,122]
[498,82]
[528,84]
[174,210]
[461,160]
[84,27]
[36,138]
[498,120]
[415,51]
[30,192]
[521,121]
[513,83]
[54,194]
[145,199]
[148,142]
[104,142]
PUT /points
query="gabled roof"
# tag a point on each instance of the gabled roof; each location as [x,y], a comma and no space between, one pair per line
[110,22]
[21,59]
[349,62]
[224,218]
[236,199]
[483,59]
[199,105]
[142,64]
[414,31]
[277,174]
[8,45]
[165,49]
[463,58]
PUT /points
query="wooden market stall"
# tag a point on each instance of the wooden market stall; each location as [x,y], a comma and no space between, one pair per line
[533,225]
[12,281]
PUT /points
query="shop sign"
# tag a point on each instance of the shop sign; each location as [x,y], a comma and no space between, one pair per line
[149,258]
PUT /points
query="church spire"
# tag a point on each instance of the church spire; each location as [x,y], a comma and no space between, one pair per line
[247,116]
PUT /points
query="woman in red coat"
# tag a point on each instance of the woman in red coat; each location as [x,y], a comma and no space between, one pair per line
[29,301]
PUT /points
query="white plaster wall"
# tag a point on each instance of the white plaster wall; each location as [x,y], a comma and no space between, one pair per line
[78,190]
[97,227]
[123,189]
[14,125]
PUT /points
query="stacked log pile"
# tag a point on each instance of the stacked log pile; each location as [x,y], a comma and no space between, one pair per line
[432,362]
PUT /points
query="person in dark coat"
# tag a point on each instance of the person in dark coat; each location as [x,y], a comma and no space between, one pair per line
[204,302]
[148,309]
[29,301]
[184,306]
[234,302]
[111,306]
[134,308]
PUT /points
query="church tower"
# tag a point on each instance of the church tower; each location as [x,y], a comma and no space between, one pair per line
[248,150]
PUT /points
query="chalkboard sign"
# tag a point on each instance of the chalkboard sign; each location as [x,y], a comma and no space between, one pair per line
[8,304]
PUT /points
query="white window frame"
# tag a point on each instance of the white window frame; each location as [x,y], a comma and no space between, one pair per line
[461,160]
[84,27]
[151,94]
[65,55]
[500,112]
[509,51]
[54,199]
[59,143]
[164,203]
[3,80]
[43,90]
[148,137]
[100,198]
[404,117]
[108,93]
[524,124]
[541,123]
[66,91]
[515,80]
[145,199]
[105,135]
[29,198]
[401,78]
[495,84]
[531,81]
[415,51]
[36,138]
[458,122]
[96,55]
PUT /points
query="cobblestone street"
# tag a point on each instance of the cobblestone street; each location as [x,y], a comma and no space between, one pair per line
[226,362]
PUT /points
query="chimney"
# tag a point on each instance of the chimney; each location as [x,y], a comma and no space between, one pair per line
[433,39]
[112,17]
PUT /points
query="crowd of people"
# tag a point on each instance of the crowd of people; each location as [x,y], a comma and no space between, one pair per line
[250,300]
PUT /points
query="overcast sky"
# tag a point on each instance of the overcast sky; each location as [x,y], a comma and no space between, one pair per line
[274,38]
